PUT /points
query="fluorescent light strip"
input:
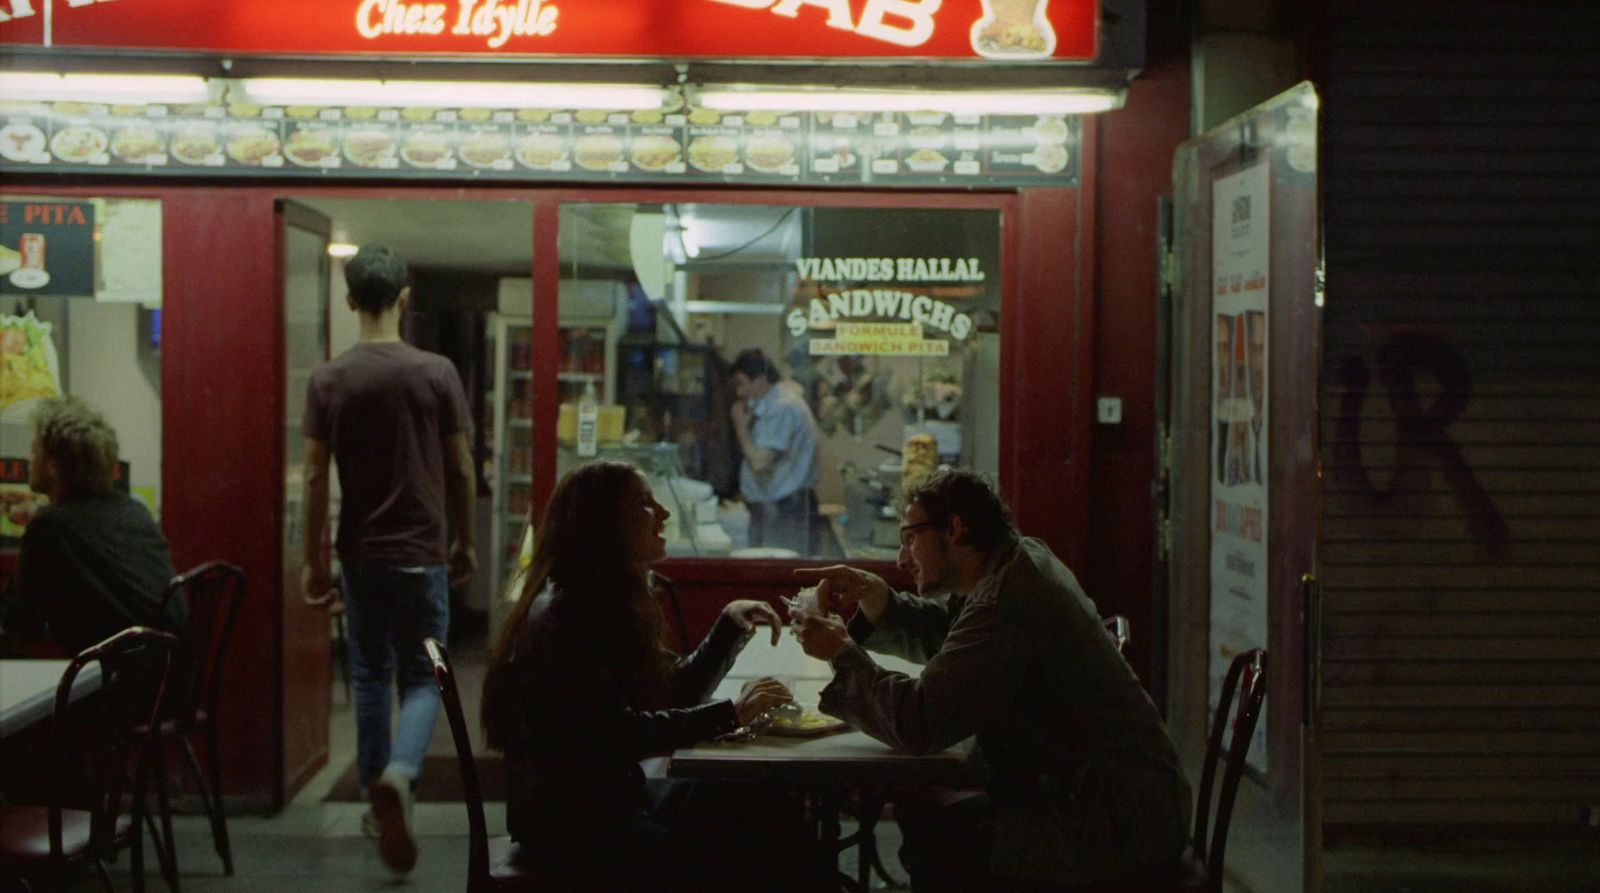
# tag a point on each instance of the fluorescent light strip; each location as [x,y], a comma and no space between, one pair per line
[1012,102]
[342,249]
[28,85]
[455,94]
[734,307]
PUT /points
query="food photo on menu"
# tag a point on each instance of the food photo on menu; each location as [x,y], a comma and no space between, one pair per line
[543,149]
[656,152]
[770,153]
[196,142]
[254,144]
[370,145]
[137,142]
[79,144]
[712,153]
[22,141]
[312,145]
[485,147]
[597,150]
[427,146]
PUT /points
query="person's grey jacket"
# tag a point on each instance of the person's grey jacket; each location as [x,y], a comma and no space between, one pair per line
[1084,780]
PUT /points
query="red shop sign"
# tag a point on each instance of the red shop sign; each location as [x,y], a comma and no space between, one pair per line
[994,30]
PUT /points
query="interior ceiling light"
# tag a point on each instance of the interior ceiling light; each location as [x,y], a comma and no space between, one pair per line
[29,85]
[990,102]
[342,249]
[455,94]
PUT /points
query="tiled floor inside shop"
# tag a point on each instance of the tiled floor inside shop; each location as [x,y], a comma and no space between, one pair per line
[314,846]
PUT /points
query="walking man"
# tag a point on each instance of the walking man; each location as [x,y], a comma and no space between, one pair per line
[394,419]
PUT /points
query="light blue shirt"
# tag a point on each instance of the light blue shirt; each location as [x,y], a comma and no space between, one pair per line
[782,423]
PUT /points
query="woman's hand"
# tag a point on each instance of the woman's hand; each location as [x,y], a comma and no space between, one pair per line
[758,696]
[750,613]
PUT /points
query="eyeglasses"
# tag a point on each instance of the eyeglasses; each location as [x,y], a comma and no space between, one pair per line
[907,532]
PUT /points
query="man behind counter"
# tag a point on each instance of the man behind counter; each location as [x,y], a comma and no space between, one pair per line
[778,439]
[93,561]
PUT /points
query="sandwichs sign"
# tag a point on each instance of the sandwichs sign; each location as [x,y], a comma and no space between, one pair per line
[974,30]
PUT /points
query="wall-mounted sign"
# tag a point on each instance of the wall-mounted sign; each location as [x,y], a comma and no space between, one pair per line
[685,144]
[47,247]
[977,30]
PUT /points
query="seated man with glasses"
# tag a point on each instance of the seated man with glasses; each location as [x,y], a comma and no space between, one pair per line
[1084,784]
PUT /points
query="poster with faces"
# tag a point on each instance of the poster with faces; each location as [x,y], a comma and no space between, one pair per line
[1239,583]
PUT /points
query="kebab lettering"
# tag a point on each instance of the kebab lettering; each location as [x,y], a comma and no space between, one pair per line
[907,23]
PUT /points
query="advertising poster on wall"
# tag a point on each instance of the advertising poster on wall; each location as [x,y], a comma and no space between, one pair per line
[1239,262]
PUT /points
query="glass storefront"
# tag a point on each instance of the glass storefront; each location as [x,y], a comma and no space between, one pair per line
[80,314]
[780,373]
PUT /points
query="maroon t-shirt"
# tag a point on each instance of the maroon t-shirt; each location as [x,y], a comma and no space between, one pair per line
[385,410]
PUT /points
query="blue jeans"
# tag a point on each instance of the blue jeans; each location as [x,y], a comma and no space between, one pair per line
[389,610]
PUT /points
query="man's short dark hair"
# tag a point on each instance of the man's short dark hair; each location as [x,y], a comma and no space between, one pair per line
[82,443]
[375,277]
[752,362]
[958,491]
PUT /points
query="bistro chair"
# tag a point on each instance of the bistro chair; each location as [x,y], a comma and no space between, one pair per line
[1247,676]
[1120,631]
[493,865]
[42,842]
[214,591]
[1200,868]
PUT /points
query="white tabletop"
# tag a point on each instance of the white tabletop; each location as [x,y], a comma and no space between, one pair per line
[844,757]
[28,690]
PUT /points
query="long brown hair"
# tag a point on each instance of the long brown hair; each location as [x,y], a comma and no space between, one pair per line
[580,548]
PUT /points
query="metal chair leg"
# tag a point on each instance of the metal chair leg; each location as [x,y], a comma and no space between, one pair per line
[170,866]
[105,876]
[211,798]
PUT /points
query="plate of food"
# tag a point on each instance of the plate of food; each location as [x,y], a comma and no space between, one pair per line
[541,150]
[927,161]
[655,152]
[311,146]
[78,143]
[1052,129]
[21,141]
[769,154]
[1051,158]
[713,153]
[425,149]
[801,721]
[195,143]
[597,151]
[485,148]
[370,146]
[137,143]
[251,144]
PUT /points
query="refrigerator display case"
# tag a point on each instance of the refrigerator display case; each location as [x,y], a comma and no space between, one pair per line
[592,318]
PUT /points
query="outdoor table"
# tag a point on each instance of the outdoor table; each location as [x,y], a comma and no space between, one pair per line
[828,769]
[28,690]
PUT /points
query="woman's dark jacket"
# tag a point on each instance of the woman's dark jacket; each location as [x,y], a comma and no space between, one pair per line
[573,752]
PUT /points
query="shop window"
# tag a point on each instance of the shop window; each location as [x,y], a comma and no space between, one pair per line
[863,344]
[80,314]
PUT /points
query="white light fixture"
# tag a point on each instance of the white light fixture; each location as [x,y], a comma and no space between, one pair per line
[456,94]
[34,85]
[960,102]
[342,249]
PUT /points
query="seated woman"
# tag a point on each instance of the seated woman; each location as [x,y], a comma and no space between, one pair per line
[581,686]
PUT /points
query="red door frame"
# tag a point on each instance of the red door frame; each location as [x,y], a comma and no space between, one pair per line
[223,337]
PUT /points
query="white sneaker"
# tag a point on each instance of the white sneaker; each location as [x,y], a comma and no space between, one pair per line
[390,796]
